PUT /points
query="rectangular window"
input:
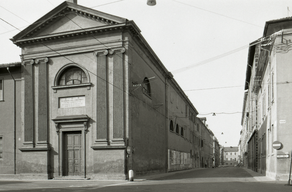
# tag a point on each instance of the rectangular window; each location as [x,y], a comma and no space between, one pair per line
[1,147]
[1,90]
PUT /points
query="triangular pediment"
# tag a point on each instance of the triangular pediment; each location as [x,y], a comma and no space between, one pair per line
[68,17]
[67,23]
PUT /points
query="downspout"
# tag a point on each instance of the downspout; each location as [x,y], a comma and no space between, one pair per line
[14,119]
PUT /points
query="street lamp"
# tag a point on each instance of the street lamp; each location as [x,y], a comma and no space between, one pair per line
[151,2]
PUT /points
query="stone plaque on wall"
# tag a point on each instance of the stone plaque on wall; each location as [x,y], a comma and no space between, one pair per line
[70,102]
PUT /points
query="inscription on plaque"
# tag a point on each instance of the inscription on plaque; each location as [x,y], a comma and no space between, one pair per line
[70,102]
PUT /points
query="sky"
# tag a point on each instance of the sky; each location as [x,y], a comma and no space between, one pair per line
[203,43]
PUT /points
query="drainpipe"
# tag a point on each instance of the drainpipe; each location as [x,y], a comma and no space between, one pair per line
[14,119]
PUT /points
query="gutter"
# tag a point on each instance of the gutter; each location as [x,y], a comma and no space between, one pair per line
[7,65]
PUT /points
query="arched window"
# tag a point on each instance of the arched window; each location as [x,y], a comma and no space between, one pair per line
[177,129]
[72,76]
[182,131]
[171,125]
[146,87]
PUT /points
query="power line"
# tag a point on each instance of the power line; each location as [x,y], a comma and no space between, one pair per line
[221,113]
[10,24]
[50,2]
[210,59]
[14,14]
[218,14]
[211,88]
[107,3]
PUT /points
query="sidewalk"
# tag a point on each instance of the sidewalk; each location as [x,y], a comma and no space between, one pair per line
[262,178]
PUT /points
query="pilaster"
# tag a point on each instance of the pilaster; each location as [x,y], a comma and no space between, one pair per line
[42,136]
[28,101]
[102,97]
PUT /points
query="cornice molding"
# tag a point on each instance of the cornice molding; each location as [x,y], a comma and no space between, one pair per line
[72,34]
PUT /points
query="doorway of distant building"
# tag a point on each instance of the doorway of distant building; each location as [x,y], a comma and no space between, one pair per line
[72,153]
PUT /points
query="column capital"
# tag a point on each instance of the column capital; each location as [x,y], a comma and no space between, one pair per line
[101,52]
[119,49]
[28,62]
[45,59]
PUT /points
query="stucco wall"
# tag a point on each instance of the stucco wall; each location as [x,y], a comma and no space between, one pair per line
[147,114]
[7,120]
[284,110]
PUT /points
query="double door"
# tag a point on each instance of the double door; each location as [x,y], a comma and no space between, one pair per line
[72,154]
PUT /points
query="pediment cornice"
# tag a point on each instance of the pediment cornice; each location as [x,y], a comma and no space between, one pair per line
[78,33]
[63,10]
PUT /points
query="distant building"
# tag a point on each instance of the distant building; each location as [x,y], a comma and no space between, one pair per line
[231,156]
[216,152]
[267,102]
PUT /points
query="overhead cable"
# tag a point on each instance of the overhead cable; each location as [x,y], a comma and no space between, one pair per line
[218,14]
[209,60]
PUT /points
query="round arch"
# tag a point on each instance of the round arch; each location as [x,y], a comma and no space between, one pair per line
[67,66]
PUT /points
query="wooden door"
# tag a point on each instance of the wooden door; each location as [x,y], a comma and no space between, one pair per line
[72,154]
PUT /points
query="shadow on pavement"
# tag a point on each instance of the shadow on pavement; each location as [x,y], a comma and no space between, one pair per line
[3,182]
[202,187]
[227,172]
[160,186]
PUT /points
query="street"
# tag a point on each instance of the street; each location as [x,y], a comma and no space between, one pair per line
[228,179]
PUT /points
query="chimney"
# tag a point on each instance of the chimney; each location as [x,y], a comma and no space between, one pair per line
[72,1]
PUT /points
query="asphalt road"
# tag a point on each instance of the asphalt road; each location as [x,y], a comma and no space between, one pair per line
[229,179]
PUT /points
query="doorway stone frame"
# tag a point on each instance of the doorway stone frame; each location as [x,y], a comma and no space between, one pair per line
[75,123]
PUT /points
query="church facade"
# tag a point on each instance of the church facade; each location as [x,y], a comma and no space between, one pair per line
[91,100]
